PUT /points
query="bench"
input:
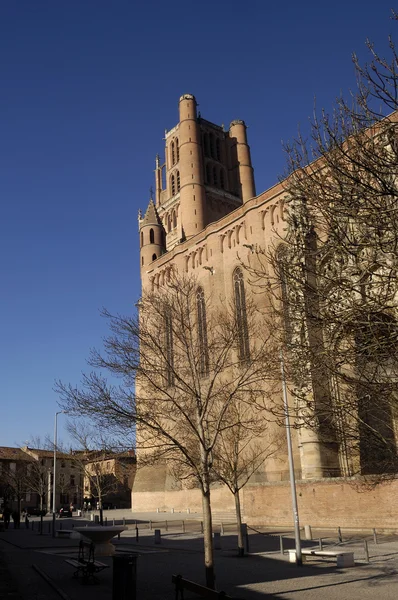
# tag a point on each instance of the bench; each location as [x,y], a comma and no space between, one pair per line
[184,584]
[343,559]
[64,533]
[86,566]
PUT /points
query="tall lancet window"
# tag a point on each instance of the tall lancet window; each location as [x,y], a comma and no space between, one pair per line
[169,353]
[241,315]
[202,333]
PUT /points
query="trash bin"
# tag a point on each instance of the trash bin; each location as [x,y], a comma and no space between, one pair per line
[96,519]
[79,513]
[124,585]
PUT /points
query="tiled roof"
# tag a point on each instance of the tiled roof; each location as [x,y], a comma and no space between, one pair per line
[7,453]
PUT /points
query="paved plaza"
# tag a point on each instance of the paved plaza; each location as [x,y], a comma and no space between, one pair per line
[29,562]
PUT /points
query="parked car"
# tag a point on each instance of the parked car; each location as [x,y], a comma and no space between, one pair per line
[64,511]
[34,511]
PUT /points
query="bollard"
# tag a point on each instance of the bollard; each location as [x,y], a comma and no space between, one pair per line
[339,534]
[183,526]
[150,525]
[157,510]
[201,526]
[172,511]
[167,526]
[124,584]
[217,540]
[374,536]
[365,547]
[136,533]
[113,522]
[41,524]
[308,532]
[106,521]
[124,522]
[282,551]
[157,536]
[222,528]
[188,511]
[320,544]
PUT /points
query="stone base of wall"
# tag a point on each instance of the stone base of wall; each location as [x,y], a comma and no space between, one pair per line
[321,503]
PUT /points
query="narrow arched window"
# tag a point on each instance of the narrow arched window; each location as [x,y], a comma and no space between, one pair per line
[168,224]
[173,185]
[218,149]
[169,353]
[173,154]
[178,181]
[174,219]
[212,146]
[208,173]
[151,236]
[241,315]
[215,178]
[142,239]
[222,179]
[206,144]
[154,256]
[177,151]
[202,333]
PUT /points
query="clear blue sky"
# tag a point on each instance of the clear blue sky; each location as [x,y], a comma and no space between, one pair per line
[87,89]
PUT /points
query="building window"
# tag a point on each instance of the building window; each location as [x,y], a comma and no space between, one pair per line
[72,480]
[178,181]
[174,219]
[212,146]
[169,349]
[202,333]
[142,239]
[241,315]
[177,151]
[218,149]
[208,174]
[62,479]
[173,185]
[173,154]
[151,236]
[206,144]
[222,179]
[154,257]
[215,178]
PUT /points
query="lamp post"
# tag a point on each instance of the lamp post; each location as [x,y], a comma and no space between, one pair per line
[55,465]
[299,559]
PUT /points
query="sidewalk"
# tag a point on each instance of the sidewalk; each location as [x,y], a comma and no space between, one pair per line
[263,574]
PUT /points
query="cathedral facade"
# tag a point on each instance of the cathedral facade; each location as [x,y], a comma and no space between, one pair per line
[206,220]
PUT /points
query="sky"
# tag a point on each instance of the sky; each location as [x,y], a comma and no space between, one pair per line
[88,88]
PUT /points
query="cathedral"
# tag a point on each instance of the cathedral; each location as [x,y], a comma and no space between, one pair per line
[206,220]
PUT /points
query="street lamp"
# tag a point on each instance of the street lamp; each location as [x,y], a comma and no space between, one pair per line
[299,560]
[55,464]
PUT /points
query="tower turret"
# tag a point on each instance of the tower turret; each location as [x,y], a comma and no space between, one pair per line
[240,147]
[152,236]
[192,191]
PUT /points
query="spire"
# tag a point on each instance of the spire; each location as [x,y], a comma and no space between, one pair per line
[151,216]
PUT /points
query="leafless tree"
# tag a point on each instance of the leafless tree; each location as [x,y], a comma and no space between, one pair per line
[180,371]
[241,450]
[92,455]
[333,278]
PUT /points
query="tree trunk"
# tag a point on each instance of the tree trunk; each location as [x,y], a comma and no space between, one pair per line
[208,540]
[241,545]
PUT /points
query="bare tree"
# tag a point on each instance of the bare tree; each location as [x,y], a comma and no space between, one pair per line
[241,450]
[181,370]
[92,455]
[333,278]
